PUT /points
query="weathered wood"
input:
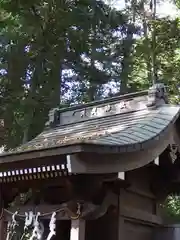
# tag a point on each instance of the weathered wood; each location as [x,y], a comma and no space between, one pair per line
[2,228]
[2,223]
[140,192]
[120,228]
[140,181]
[52,179]
[39,155]
[139,215]
[33,163]
[59,181]
[77,229]
[139,231]
[120,221]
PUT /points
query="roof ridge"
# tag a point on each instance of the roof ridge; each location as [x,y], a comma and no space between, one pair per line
[105,100]
[155,96]
[90,110]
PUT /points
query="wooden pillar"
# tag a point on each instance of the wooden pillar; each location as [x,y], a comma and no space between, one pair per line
[77,229]
[2,222]
[121,225]
[2,229]
[121,228]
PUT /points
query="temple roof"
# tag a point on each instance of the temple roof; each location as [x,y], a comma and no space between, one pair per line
[130,131]
[126,123]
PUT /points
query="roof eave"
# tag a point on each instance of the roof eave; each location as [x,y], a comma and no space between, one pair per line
[62,150]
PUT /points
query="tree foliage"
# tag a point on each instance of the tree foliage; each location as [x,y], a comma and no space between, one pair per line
[66,52]
[42,40]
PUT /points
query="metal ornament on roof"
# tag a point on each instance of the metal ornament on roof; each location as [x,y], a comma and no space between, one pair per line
[157,94]
[173,152]
[53,117]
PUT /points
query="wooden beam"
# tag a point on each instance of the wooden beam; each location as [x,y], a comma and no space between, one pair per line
[56,181]
[64,211]
[77,229]
[140,192]
[142,216]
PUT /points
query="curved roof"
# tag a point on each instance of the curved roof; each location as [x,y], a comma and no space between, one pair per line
[131,131]
[122,124]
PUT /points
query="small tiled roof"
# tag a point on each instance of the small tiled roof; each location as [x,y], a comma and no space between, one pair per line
[127,123]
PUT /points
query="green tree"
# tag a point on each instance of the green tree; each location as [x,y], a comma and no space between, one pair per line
[39,41]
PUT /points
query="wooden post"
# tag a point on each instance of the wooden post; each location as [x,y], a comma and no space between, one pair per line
[120,218]
[77,229]
[2,223]
[2,229]
[121,228]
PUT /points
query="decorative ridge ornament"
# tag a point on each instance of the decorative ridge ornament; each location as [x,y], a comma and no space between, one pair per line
[54,118]
[157,95]
[173,152]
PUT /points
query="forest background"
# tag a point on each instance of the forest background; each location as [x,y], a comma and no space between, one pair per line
[63,52]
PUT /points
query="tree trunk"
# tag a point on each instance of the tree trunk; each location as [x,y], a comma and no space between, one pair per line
[154,63]
[126,63]
[148,57]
